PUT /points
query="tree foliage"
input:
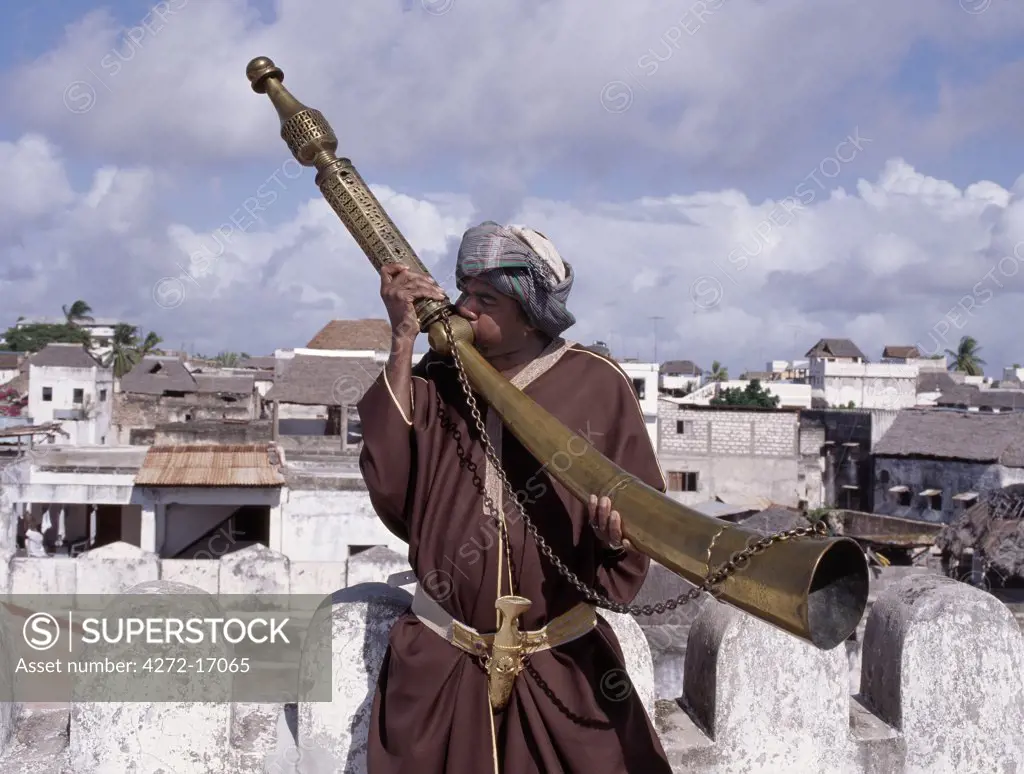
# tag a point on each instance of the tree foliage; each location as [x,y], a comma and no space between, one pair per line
[754,394]
[32,338]
[966,358]
[126,349]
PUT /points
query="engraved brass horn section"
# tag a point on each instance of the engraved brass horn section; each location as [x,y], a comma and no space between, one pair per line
[814,588]
[313,143]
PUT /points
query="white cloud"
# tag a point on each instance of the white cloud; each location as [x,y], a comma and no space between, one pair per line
[903,259]
[722,82]
[158,112]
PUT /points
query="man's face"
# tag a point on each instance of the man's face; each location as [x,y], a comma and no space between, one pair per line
[498,322]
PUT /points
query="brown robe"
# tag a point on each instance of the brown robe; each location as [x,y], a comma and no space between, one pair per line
[430,710]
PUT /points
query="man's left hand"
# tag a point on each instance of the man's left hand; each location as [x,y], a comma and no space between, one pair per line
[606,522]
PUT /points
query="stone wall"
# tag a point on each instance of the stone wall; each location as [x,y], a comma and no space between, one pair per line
[951,477]
[136,411]
[727,432]
[941,689]
[740,455]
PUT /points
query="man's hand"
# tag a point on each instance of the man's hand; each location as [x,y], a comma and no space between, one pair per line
[399,288]
[606,522]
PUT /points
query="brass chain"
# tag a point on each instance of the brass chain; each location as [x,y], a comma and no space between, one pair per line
[736,562]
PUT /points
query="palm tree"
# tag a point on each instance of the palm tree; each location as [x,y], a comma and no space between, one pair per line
[124,349]
[227,359]
[78,311]
[966,358]
[149,345]
[719,373]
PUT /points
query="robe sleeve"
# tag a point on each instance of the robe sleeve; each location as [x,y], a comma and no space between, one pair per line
[622,572]
[389,457]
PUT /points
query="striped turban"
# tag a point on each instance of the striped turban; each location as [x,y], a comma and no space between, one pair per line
[522,263]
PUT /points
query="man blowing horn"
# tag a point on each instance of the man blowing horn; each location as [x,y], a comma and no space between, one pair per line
[431,711]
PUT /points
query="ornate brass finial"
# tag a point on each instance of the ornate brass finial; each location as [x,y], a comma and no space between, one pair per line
[259,69]
[307,133]
[313,144]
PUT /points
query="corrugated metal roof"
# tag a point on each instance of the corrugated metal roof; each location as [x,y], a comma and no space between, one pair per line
[245,465]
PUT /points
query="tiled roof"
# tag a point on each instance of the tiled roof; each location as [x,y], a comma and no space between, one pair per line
[353,334]
[9,360]
[966,395]
[934,381]
[259,363]
[952,435]
[155,375]
[901,350]
[64,356]
[680,368]
[314,380]
[243,465]
[835,348]
[234,384]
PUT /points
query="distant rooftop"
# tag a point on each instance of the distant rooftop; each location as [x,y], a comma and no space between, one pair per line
[353,334]
[680,368]
[64,356]
[842,348]
[952,435]
[969,396]
[324,381]
[235,465]
[901,351]
[155,375]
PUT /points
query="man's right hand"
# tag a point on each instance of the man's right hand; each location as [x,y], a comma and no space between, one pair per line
[399,288]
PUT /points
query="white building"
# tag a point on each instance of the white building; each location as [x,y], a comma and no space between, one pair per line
[100,330]
[790,395]
[791,370]
[909,355]
[679,376]
[1013,373]
[66,384]
[645,377]
[840,375]
[865,385]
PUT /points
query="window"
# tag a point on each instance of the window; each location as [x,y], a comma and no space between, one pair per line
[47,393]
[682,481]
[902,495]
[932,498]
[103,396]
[965,500]
[78,395]
[849,498]
[684,426]
[640,386]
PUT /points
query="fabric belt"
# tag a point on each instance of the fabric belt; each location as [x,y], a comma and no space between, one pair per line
[570,625]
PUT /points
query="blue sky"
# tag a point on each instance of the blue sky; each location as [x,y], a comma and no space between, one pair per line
[469,110]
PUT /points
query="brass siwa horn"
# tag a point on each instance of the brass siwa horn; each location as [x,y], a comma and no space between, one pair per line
[814,587]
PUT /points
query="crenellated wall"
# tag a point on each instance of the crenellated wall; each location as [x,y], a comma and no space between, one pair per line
[941,689]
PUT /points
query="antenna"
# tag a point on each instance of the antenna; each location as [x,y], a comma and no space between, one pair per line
[655,318]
